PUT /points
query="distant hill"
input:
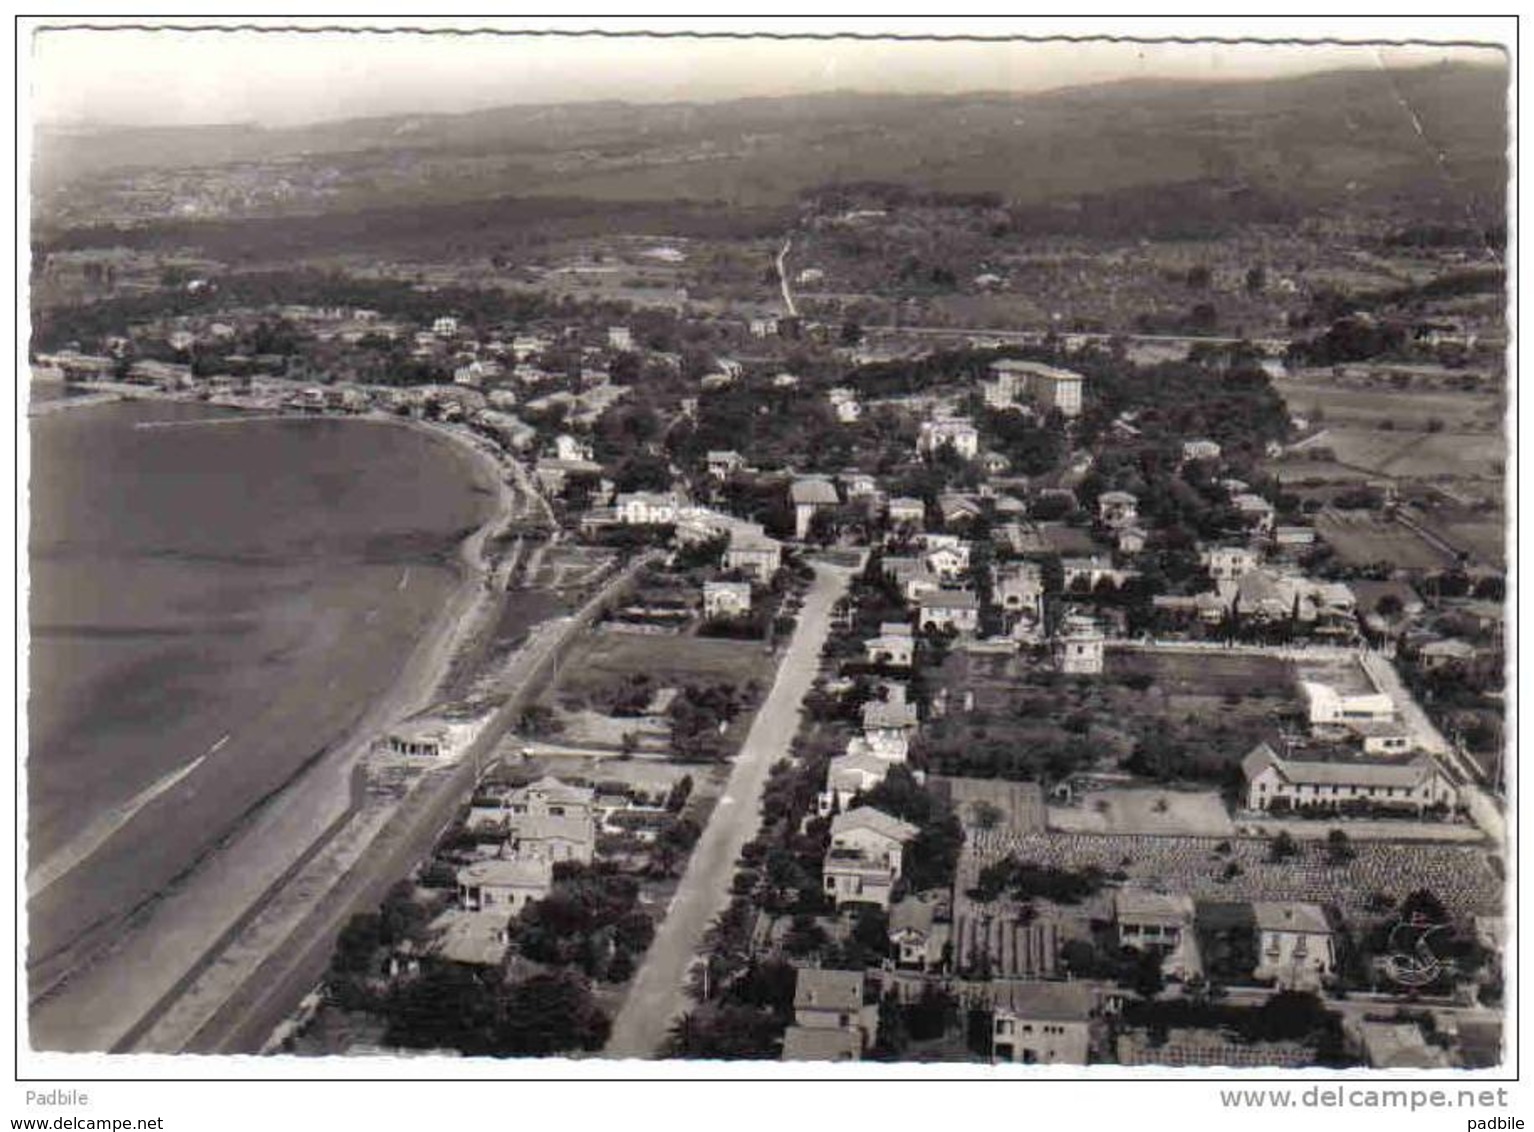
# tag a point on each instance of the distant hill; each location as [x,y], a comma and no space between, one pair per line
[1435,136]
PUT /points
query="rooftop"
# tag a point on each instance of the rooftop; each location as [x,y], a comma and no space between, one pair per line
[915,913]
[547,827]
[866,817]
[821,1043]
[818,989]
[950,599]
[1034,369]
[814,491]
[727,587]
[846,768]
[1333,772]
[520,872]
[1143,903]
[883,713]
[555,790]
[1289,916]
[1052,1002]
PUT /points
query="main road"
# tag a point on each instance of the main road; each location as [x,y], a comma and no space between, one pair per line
[658,995]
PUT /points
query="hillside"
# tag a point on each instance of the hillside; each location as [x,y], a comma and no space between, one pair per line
[1431,141]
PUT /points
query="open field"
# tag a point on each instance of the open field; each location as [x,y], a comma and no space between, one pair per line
[1361,537]
[1021,804]
[651,776]
[568,565]
[593,729]
[1202,675]
[667,660]
[1345,675]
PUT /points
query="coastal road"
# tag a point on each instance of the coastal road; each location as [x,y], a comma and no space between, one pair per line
[261,978]
[658,995]
[108,999]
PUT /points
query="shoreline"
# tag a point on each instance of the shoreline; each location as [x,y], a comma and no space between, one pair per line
[115,990]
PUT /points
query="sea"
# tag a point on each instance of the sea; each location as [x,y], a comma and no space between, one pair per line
[213,602]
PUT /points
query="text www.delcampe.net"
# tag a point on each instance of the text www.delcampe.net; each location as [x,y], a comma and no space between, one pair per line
[88,1123]
[1349,1096]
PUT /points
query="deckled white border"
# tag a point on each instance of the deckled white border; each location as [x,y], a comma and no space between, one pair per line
[371,1105]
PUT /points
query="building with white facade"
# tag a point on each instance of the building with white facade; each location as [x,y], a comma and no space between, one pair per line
[754,554]
[1295,944]
[647,508]
[1042,1023]
[864,859]
[1274,782]
[726,599]
[958,433]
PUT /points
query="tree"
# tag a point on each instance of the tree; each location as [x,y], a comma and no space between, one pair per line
[679,793]
[872,929]
[1203,318]
[894,1033]
[1339,849]
[727,1032]
[932,857]
[985,815]
[932,1013]
[643,471]
[1422,906]
[358,944]
[805,936]
[823,528]
[1145,976]
[450,1006]
[1282,847]
[551,1013]
[1079,958]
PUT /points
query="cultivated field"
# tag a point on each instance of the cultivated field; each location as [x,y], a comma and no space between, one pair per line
[1463,877]
[1423,431]
[1365,406]
[1361,537]
[1296,472]
[1416,454]
[1487,540]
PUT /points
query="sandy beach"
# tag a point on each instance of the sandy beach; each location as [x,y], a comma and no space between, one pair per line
[105,1000]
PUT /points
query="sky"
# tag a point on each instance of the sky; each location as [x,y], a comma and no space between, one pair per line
[131,77]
